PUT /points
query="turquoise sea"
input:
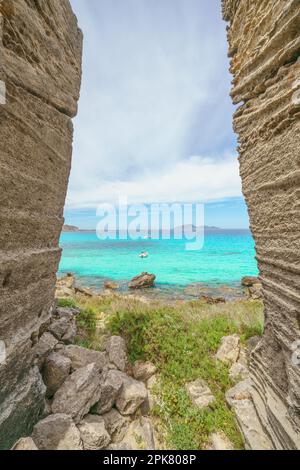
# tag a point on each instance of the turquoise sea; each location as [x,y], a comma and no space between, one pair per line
[226,257]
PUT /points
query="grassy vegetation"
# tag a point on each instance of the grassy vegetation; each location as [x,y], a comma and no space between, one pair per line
[181,340]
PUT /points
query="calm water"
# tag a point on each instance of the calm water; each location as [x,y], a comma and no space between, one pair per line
[224,260]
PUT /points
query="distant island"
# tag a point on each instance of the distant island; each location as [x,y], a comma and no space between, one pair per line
[186,229]
[70,228]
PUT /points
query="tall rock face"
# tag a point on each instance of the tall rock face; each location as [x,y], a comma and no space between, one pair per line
[264,38]
[40,72]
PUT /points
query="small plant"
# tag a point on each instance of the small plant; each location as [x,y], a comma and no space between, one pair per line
[64,303]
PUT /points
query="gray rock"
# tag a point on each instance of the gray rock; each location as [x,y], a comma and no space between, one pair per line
[249,281]
[116,425]
[242,391]
[79,393]
[111,383]
[253,342]
[57,432]
[44,347]
[200,394]
[117,352]
[59,328]
[121,447]
[143,370]
[132,395]
[238,371]
[140,435]
[55,371]
[93,433]
[220,442]
[26,443]
[229,350]
[81,357]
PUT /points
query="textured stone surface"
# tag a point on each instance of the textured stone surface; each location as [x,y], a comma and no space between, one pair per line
[116,425]
[81,357]
[117,352]
[229,350]
[93,433]
[26,443]
[55,371]
[40,63]
[111,383]
[264,44]
[132,395]
[200,394]
[57,432]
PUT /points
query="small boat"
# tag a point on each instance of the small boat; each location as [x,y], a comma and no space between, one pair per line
[144,255]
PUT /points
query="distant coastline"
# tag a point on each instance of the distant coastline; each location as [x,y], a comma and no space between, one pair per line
[185,229]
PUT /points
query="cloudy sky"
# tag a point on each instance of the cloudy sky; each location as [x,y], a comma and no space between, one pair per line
[155,117]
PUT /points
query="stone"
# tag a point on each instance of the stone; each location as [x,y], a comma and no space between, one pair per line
[71,334]
[55,371]
[111,285]
[249,281]
[212,300]
[256,292]
[132,395]
[111,383]
[68,313]
[139,436]
[229,350]
[93,433]
[57,432]
[116,425]
[200,394]
[143,370]
[152,400]
[253,342]
[241,391]
[117,352]
[264,47]
[26,443]
[84,291]
[79,393]
[119,447]
[143,281]
[238,372]
[44,347]
[220,442]
[59,328]
[81,357]
[67,281]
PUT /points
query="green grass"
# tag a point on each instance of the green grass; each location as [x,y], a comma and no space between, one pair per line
[181,340]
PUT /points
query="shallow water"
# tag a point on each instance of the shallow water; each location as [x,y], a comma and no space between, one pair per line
[226,257]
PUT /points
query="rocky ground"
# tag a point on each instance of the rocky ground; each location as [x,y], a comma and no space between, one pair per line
[97,397]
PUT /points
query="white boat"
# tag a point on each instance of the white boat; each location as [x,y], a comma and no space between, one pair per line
[144,255]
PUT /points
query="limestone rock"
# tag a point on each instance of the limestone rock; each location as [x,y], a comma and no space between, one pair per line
[249,281]
[26,443]
[229,350]
[213,300]
[116,425]
[117,352]
[143,281]
[81,357]
[84,291]
[79,393]
[242,391]
[57,432]
[55,371]
[111,285]
[120,447]
[139,436]
[238,372]
[44,347]
[93,433]
[200,394]
[111,383]
[220,442]
[132,395]
[143,370]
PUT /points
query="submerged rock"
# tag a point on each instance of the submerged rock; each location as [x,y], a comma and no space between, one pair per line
[143,281]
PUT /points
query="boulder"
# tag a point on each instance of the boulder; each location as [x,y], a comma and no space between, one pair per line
[26,443]
[220,442]
[143,370]
[44,347]
[139,436]
[229,350]
[110,285]
[242,391]
[84,291]
[117,352]
[132,395]
[55,371]
[59,328]
[66,281]
[116,425]
[200,394]
[79,393]
[143,281]
[249,281]
[57,432]
[238,371]
[81,357]
[66,312]
[93,433]
[111,383]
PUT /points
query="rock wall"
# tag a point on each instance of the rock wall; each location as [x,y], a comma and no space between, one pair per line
[264,39]
[40,65]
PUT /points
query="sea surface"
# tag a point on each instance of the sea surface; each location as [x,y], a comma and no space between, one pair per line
[226,257]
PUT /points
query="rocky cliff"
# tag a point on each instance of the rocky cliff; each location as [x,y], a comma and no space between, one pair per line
[40,70]
[264,39]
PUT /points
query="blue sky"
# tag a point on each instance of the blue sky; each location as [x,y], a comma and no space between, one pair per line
[155,116]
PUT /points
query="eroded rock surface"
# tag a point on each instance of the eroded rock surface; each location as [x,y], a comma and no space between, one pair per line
[264,48]
[40,64]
